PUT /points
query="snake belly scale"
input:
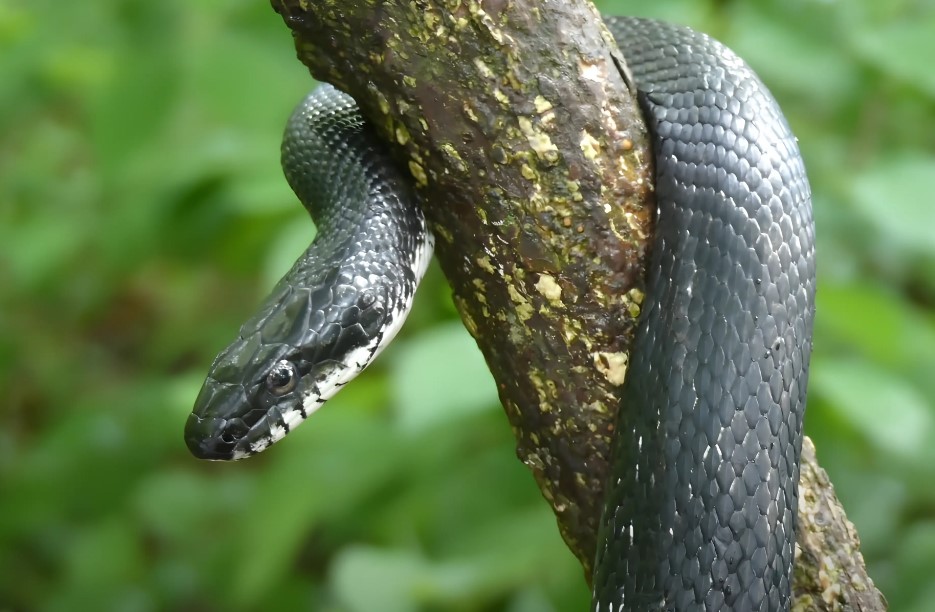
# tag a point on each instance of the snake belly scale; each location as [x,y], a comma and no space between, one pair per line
[700,511]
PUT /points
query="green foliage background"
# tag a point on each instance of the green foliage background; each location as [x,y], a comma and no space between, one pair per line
[143,216]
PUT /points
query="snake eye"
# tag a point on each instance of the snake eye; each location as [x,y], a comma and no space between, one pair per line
[282,378]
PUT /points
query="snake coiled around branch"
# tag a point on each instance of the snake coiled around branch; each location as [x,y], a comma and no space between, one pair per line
[700,513]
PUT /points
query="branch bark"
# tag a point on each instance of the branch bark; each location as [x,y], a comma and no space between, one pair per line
[532,161]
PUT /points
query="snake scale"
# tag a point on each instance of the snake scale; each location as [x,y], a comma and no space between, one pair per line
[700,512]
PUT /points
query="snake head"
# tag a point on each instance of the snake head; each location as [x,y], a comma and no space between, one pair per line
[296,353]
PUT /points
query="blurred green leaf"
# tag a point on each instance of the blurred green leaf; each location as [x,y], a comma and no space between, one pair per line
[901,49]
[893,197]
[291,242]
[439,376]
[916,556]
[882,326]
[396,581]
[885,408]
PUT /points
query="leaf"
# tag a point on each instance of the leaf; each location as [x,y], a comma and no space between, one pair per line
[389,580]
[902,49]
[885,408]
[438,376]
[292,240]
[895,198]
[884,328]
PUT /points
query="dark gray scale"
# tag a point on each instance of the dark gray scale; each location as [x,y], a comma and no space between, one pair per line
[701,512]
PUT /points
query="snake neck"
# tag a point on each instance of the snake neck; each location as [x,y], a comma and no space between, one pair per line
[341,302]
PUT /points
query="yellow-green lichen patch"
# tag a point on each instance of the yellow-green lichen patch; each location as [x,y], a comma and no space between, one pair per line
[524,309]
[466,318]
[829,579]
[382,102]
[453,157]
[534,462]
[480,293]
[499,154]
[551,290]
[632,301]
[418,173]
[538,141]
[621,236]
[613,366]
[598,407]
[574,188]
[545,391]
[402,134]
[431,20]
[542,105]
[469,112]
[569,334]
[483,18]
[590,146]
[482,68]
[484,262]
[621,166]
[634,223]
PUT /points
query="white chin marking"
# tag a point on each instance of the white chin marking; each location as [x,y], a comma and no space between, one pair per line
[240,454]
[293,417]
[277,432]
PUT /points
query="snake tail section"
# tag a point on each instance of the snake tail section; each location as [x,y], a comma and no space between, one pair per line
[701,511]
[340,304]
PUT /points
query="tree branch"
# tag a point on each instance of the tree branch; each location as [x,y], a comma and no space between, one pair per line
[533,165]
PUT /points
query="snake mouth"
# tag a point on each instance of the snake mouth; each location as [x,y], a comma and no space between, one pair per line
[223,422]
[210,438]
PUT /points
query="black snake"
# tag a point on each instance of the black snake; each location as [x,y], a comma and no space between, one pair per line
[701,510]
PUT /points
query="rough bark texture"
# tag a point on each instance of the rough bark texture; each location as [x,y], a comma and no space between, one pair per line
[829,572]
[532,161]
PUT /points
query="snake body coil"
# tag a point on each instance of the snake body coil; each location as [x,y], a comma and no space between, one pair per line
[701,513]
[701,509]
